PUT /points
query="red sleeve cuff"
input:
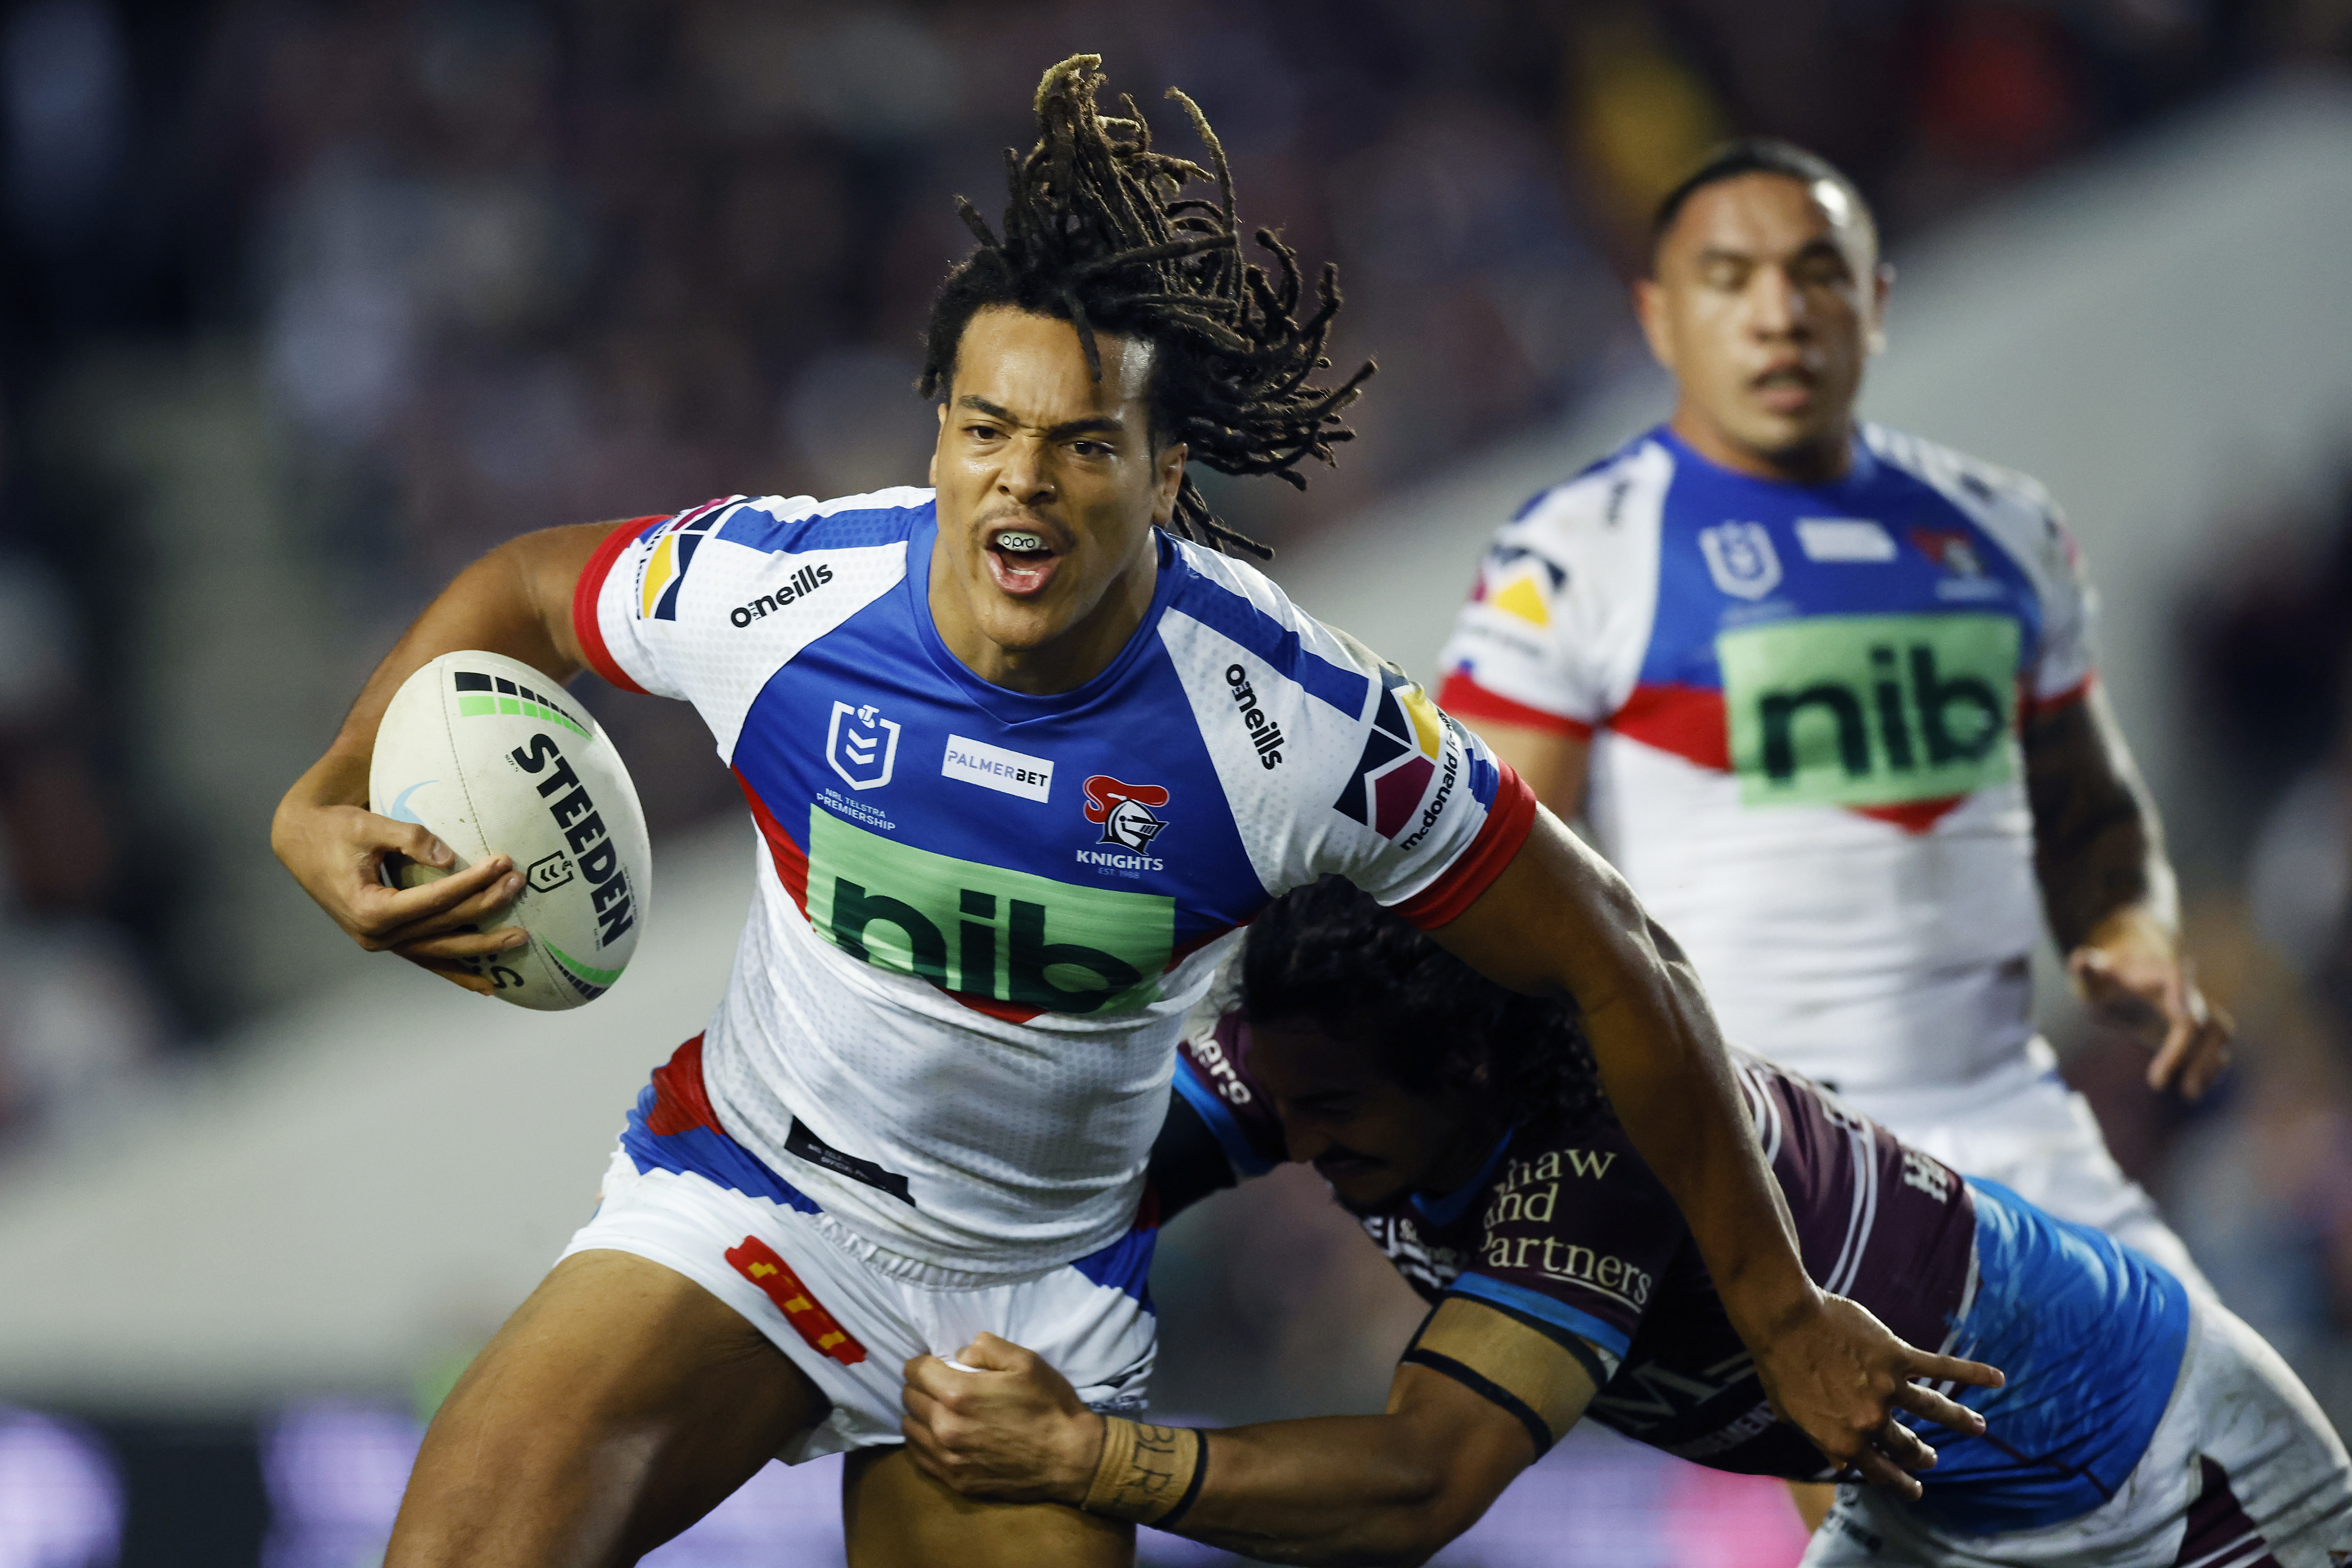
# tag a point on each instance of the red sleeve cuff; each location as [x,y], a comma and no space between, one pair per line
[2037,707]
[1508,822]
[591,588]
[1465,698]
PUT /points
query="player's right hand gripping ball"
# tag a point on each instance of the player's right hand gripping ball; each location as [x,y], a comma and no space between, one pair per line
[496,759]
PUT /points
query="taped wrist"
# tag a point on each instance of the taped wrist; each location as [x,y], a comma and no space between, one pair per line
[1147,1475]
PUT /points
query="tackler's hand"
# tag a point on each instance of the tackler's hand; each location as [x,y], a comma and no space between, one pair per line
[997,1422]
[1839,1374]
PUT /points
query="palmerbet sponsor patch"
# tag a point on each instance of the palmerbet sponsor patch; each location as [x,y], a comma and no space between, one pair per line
[1006,935]
[1870,709]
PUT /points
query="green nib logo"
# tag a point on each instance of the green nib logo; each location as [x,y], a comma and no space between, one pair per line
[1864,710]
[1007,936]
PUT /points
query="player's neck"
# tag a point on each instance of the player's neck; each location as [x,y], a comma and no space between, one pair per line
[1812,463]
[1062,662]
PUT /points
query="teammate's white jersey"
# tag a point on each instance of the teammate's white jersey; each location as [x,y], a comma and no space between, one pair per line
[1803,704]
[984,914]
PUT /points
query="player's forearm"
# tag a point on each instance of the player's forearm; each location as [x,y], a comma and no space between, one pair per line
[2098,843]
[1672,1084]
[1347,1488]
[1559,919]
[515,600]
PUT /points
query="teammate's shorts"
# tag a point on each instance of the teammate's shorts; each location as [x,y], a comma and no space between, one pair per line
[2019,1125]
[845,1313]
[2244,1471]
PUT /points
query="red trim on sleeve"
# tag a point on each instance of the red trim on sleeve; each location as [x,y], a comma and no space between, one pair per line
[1465,698]
[2036,706]
[1688,721]
[1508,822]
[590,587]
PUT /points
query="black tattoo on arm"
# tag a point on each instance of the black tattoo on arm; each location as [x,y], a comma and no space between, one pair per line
[2097,844]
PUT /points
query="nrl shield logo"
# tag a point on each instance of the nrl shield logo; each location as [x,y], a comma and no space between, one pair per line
[1741,558]
[861,745]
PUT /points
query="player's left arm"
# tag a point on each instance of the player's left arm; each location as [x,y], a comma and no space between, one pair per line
[2108,890]
[1393,1487]
[1560,920]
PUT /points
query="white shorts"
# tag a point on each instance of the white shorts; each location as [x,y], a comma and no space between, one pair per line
[852,1323]
[2023,1127]
[2244,1471]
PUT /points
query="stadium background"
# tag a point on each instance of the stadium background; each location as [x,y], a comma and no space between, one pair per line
[302,306]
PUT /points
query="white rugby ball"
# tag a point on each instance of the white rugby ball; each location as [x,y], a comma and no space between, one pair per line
[497,759]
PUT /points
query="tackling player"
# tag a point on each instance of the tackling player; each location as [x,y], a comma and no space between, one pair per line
[1022,750]
[1826,694]
[2139,1425]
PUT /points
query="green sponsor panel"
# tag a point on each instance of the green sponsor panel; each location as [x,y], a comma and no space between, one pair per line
[1059,947]
[1870,709]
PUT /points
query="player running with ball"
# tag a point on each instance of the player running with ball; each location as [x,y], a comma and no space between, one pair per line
[1024,750]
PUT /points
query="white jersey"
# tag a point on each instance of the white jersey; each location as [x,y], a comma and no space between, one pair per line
[1803,705]
[984,915]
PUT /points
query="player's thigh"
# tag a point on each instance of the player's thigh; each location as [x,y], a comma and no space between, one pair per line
[898,1517]
[619,1404]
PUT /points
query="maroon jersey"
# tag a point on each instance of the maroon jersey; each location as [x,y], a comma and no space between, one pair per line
[1574,1235]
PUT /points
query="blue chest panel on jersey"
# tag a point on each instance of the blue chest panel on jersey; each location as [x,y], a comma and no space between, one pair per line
[1736,553]
[1042,854]
[1857,644]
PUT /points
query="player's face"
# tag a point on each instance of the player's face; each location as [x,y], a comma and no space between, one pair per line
[1368,1135]
[1765,306]
[1049,485]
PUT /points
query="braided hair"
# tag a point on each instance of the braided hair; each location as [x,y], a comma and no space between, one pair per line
[1098,233]
[1331,956]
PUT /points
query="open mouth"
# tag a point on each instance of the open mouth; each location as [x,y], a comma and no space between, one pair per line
[1784,389]
[1022,559]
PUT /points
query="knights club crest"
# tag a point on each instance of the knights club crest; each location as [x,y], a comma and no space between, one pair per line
[861,745]
[1124,811]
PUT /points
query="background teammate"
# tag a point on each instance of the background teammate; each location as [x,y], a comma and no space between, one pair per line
[1826,693]
[2139,1424]
[1021,752]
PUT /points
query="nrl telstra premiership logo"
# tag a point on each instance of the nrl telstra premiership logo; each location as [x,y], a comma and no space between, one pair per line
[1741,558]
[861,745]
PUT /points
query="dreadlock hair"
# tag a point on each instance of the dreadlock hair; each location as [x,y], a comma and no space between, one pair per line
[1329,954]
[1758,155]
[1098,233]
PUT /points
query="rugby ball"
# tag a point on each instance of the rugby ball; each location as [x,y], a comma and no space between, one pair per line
[497,759]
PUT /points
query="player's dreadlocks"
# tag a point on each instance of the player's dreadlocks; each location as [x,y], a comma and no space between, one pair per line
[1098,233]
[1330,954]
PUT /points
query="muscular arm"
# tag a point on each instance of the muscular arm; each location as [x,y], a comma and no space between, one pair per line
[1559,921]
[1550,763]
[517,601]
[2108,890]
[1393,1487]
